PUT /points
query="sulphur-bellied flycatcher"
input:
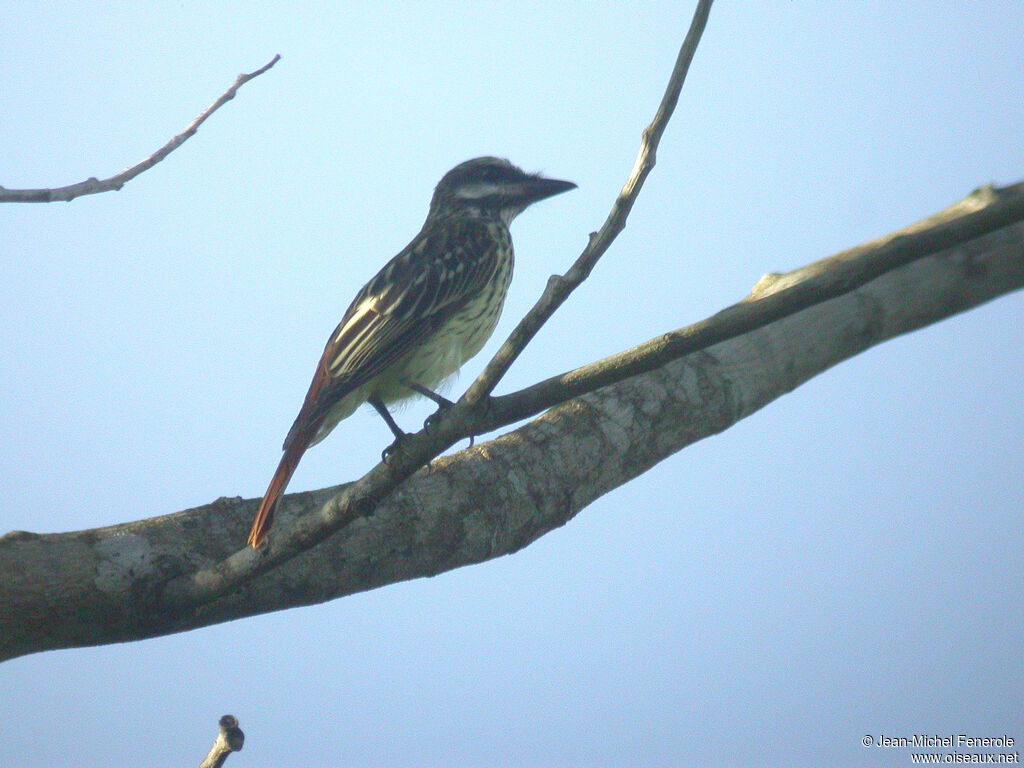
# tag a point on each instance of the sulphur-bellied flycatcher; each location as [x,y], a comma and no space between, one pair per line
[428,311]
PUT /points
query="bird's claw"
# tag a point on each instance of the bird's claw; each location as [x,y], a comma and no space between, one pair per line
[431,421]
[391,450]
[485,405]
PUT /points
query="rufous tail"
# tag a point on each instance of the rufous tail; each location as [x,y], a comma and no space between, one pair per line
[265,514]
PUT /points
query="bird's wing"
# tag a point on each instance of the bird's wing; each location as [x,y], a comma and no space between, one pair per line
[410,298]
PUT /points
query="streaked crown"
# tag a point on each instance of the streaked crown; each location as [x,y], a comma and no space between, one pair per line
[493,188]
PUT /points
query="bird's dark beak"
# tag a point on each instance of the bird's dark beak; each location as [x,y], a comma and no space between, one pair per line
[539,188]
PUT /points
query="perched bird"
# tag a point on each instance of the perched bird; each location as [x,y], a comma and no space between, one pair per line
[430,309]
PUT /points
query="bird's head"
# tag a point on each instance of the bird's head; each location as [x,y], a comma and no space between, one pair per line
[490,187]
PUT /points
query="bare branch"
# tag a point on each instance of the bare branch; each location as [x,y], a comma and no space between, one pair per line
[773,298]
[229,739]
[92,186]
[559,287]
[161,575]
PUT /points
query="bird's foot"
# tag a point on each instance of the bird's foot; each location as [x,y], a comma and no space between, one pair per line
[397,431]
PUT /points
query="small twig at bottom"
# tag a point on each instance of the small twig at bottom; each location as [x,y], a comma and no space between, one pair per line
[229,739]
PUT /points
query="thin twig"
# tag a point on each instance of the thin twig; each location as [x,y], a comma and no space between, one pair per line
[229,739]
[94,186]
[559,287]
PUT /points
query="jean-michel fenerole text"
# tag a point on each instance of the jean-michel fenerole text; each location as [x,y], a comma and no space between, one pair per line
[951,741]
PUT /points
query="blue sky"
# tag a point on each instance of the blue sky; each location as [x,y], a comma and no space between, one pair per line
[847,561]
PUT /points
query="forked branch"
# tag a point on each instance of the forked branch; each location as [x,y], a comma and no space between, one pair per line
[118,583]
[362,497]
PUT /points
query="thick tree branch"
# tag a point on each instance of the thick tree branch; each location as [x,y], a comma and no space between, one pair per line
[94,186]
[111,584]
